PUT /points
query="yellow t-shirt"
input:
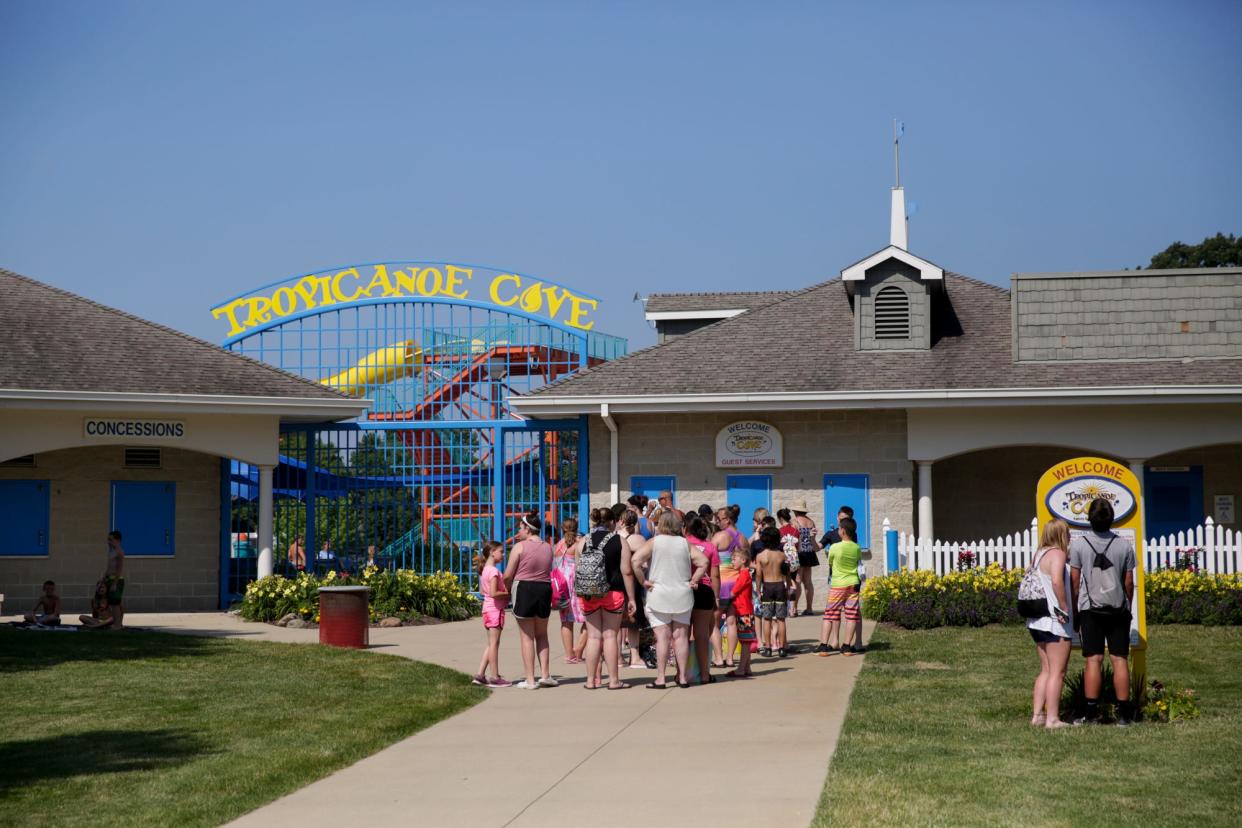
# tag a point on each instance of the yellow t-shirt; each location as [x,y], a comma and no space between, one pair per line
[843,558]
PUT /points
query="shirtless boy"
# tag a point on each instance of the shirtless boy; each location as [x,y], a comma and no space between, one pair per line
[47,609]
[775,582]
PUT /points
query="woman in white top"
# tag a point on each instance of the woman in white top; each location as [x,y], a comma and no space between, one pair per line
[665,564]
[1053,632]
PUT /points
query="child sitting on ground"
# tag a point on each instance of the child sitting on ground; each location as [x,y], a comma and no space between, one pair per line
[495,601]
[46,612]
[100,615]
[744,607]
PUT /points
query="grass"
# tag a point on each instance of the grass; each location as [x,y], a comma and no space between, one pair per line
[154,729]
[937,734]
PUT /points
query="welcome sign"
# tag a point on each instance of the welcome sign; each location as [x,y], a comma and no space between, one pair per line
[749,444]
[428,280]
[1066,490]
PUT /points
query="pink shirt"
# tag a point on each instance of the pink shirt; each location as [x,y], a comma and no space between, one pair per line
[535,562]
[712,554]
[487,581]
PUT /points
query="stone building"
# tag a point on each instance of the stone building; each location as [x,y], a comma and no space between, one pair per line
[924,396]
[108,421]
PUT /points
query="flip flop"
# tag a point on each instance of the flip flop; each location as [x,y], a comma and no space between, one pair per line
[590,687]
[654,686]
[621,686]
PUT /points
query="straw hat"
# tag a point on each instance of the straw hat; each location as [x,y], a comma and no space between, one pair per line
[799,506]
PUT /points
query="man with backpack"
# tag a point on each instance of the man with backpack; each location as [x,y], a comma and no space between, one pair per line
[1102,579]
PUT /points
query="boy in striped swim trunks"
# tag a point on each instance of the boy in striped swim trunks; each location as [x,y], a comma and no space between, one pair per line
[843,595]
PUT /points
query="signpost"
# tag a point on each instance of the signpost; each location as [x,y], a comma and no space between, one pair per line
[1066,491]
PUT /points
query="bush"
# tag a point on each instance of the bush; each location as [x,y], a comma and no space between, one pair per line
[1170,704]
[920,599]
[1187,596]
[403,594]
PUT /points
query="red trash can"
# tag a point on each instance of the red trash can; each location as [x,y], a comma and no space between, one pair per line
[344,616]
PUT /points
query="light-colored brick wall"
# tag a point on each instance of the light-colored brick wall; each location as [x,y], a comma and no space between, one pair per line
[1136,315]
[78,526]
[815,443]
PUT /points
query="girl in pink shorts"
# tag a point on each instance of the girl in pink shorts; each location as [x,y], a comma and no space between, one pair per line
[495,601]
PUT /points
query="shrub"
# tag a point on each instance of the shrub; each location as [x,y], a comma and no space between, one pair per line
[920,599]
[1188,596]
[1170,704]
[403,594]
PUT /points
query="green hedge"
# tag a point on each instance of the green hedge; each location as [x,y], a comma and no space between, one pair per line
[919,599]
[401,594]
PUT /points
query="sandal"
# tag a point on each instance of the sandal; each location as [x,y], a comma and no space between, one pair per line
[621,686]
[708,680]
[590,687]
[654,686]
[718,664]
[684,685]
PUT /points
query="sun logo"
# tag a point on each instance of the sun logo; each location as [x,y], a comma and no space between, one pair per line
[1091,490]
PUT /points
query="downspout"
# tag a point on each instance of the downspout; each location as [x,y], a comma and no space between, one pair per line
[614,441]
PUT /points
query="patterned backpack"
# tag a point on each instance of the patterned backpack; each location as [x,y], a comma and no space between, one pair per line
[591,576]
[1032,600]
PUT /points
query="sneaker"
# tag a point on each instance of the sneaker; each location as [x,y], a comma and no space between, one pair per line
[824,650]
[499,681]
[479,680]
[526,685]
[1123,721]
[548,682]
[1083,720]
[782,652]
[766,652]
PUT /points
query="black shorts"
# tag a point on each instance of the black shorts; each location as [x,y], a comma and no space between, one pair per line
[1099,628]
[704,597]
[532,599]
[807,559]
[639,621]
[774,592]
[1045,637]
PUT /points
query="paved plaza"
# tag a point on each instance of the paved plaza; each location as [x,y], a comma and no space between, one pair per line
[558,756]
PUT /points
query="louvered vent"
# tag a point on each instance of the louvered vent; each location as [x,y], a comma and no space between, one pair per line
[142,458]
[892,314]
[26,461]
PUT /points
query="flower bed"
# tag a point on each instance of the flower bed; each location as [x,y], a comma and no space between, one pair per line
[401,594]
[919,599]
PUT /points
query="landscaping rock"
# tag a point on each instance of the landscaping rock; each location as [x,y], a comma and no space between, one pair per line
[298,624]
[390,621]
[284,621]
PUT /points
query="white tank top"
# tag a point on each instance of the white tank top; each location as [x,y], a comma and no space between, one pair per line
[1050,624]
[670,575]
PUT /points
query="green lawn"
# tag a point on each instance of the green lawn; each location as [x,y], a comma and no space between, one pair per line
[937,734]
[141,728]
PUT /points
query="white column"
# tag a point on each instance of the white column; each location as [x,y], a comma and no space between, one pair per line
[1136,466]
[926,530]
[614,454]
[265,522]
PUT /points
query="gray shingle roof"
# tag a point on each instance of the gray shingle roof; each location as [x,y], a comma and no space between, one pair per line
[53,340]
[747,299]
[805,342]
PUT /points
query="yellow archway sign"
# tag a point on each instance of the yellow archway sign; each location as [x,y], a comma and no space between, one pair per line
[1066,491]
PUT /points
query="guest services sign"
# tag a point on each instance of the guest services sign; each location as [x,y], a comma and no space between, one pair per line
[749,444]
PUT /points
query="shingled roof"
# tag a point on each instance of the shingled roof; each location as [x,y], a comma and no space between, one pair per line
[737,300]
[805,343]
[53,340]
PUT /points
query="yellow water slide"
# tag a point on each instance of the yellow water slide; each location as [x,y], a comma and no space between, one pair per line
[377,368]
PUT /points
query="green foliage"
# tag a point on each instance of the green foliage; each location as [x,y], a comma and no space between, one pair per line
[403,594]
[1073,696]
[1170,704]
[1187,596]
[920,599]
[1215,251]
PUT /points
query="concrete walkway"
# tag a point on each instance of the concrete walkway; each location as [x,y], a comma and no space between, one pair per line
[563,756]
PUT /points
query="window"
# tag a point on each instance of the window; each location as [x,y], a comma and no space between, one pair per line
[24,514]
[145,514]
[892,313]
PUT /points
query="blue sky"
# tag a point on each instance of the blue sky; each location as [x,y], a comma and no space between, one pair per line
[160,157]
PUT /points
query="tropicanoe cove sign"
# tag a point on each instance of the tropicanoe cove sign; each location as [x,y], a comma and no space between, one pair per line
[387,280]
[749,444]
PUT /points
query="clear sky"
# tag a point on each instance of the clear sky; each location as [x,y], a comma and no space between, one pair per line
[160,157]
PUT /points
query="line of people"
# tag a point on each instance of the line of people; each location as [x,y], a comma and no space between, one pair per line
[692,579]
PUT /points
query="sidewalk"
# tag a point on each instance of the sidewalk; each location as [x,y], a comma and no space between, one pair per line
[561,756]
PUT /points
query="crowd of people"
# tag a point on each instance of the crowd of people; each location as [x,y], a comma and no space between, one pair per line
[701,587]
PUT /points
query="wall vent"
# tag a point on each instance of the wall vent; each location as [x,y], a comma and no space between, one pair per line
[892,313]
[26,461]
[142,458]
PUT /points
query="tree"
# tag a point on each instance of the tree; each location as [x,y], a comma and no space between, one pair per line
[1215,251]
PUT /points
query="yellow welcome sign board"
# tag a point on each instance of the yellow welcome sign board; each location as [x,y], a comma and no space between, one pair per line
[428,280]
[1066,491]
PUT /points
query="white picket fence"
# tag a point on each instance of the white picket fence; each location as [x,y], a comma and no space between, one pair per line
[1215,549]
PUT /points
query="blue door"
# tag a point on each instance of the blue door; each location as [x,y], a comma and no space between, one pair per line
[750,492]
[652,485]
[851,490]
[144,513]
[23,514]
[1173,499]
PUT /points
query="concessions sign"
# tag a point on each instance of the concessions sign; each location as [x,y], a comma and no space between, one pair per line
[749,444]
[1066,491]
